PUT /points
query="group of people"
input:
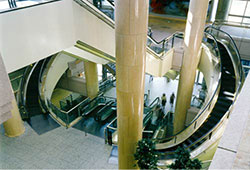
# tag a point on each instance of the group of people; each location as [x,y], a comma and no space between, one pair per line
[160,110]
[164,101]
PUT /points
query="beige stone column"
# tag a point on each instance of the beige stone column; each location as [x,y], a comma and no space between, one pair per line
[131,18]
[91,75]
[192,42]
[14,126]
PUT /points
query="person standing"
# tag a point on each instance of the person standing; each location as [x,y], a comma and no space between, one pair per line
[151,78]
[163,101]
[172,97]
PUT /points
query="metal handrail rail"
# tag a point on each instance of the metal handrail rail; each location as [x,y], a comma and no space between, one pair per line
[16,78]
[22,85]
[150,113]
[111,3]
[205,108]
[42,104]
[67,112]
[109,125]
[156,101]
[234,46]
[99,14]
[166,39]
[26,79]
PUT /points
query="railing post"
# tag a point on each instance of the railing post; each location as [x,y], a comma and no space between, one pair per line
[173,41]
[163,45]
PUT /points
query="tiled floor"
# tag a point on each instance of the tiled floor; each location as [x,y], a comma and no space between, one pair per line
[60,148]
[162,27]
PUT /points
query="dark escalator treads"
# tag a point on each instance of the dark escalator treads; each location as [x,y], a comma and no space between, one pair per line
[32,100]
[42,123]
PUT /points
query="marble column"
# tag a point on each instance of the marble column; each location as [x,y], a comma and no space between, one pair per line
[14,126]
[223,10]
[91,75]
[192,41]
[131,37]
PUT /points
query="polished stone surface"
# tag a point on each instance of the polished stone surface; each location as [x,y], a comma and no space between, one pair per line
[164,27]
[131,27]
[233,150]
[60,148]
[192,42]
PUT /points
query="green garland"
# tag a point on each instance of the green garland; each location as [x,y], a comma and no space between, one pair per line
[146,155]
[183,160]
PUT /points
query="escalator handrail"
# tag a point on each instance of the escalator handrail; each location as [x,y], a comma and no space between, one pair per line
[27,83]
[107,105]
[99,14]
[111,3]
[115,119]
[70,110]
[22,85]
[94,10]
[166,39]
[204,108]
[40,81]
[239,65]
[93,100]
[146,117]
[155,102]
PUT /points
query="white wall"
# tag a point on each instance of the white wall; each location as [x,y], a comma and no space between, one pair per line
[55,72]
[28,35]
[93,31]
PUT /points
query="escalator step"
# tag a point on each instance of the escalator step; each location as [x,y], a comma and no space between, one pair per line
[223,103]
[228,88]
[214,120]
[227,95]
[206,127]
[229,79]
[225,99]
[220,109]
[217,115]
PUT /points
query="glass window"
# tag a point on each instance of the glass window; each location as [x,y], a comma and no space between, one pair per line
[4,5]
[238,7]
[246,20]
[235,19]
[240,11]
[247,13]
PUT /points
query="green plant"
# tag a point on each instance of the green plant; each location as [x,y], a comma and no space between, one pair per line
[146,155]
[183,160]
